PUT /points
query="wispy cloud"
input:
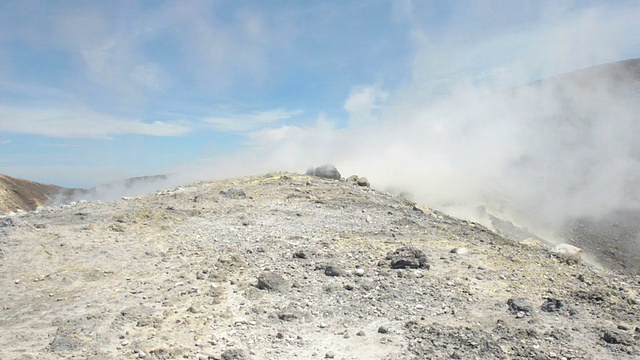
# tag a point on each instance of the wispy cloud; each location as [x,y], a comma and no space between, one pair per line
[251,121]
[363,102]
[5,142]
[68,123]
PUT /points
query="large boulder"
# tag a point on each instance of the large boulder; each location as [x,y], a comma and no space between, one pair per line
[327,171]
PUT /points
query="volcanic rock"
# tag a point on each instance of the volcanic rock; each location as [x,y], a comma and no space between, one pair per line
[408,257]
[271,281]
[327,171]
[233,193]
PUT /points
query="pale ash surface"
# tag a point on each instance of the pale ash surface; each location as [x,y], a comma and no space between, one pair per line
[175,274]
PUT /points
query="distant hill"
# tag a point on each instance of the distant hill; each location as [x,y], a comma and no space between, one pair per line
[20,194]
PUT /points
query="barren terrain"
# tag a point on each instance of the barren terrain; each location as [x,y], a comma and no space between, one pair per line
[287,266]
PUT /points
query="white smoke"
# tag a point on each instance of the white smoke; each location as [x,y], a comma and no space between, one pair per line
[467,128]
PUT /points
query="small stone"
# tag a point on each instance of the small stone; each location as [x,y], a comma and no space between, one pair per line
[360,333]
[300,254]
[617,337]
[623,326]
[519,305]
[359,272]
[233,193]
[271,281]
[567,251]
[552,305]
[460,251]
[383,330]
[329,355]
[287,316]
[322,325]
[334,270]
[17,281]
[194,309]
[234,354]
[362,181]
[408,257]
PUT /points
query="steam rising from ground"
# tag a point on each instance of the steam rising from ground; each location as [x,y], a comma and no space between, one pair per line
[462,139]
[538,154]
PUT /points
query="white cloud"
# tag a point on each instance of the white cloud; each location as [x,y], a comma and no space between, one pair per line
[221,51]
[557,39]
[67,123]
[5,142]
[362,103]
[251,121]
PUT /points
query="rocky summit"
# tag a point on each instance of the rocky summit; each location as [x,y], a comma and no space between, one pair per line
[288,266]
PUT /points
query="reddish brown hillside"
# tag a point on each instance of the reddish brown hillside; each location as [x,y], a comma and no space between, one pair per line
[19,194]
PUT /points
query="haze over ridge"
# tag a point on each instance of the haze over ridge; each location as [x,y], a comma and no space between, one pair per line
[410,94]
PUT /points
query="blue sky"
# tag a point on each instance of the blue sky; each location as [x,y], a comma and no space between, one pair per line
[92,91]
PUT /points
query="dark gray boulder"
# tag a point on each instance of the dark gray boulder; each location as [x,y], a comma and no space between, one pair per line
[408,258]
[327,171]
[334,270]
[517,305]
[552,305]
[272,282]
[233,193]
[234,354]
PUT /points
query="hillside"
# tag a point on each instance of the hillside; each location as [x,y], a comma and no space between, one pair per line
[18,194]
[287,266]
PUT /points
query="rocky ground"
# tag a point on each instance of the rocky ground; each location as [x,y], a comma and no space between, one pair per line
[288,266]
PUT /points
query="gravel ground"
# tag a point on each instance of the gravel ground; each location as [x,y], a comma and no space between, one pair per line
[287,266]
